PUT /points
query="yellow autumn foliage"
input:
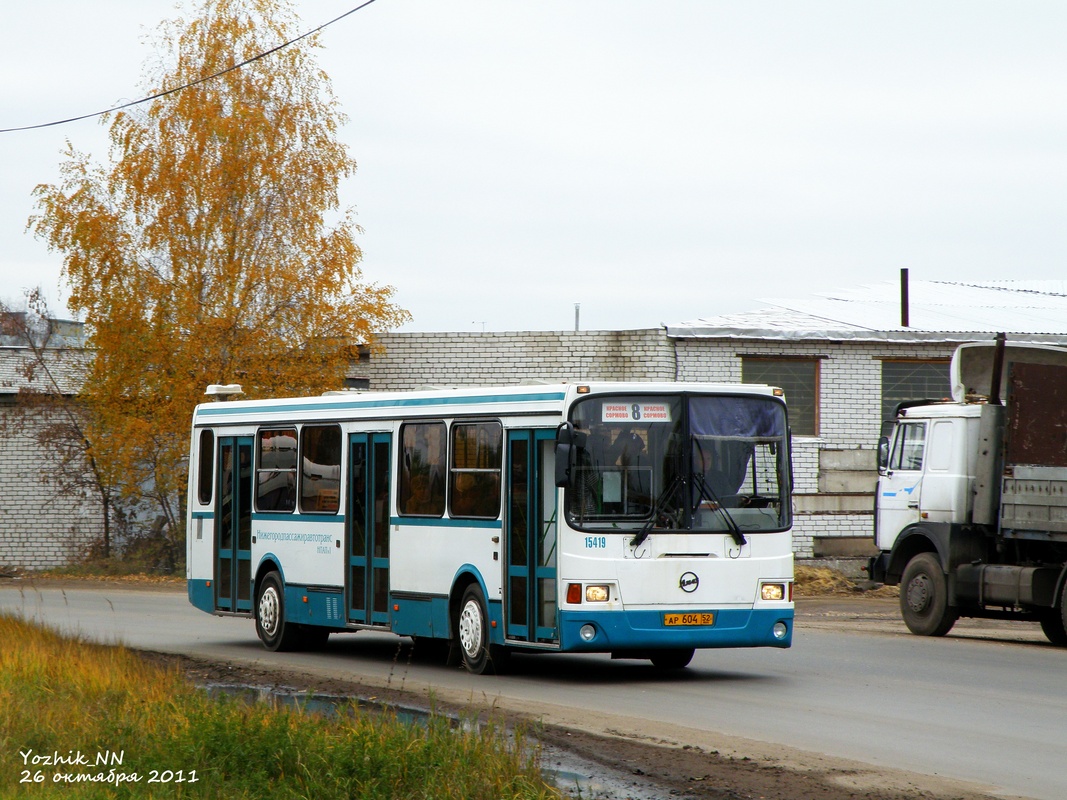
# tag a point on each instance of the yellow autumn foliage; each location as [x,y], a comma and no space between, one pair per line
[211,247]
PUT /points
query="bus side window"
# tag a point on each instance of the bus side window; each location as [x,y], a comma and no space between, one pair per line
[422,469]
[206,472]
[477,450]
[320,476]
[276,470]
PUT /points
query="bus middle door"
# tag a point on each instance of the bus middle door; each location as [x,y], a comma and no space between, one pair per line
[367,525]
[530,539]
[233,525]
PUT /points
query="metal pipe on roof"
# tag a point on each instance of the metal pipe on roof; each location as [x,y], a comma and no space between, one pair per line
[904,298]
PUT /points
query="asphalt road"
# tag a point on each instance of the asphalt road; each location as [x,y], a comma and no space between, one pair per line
[986,705]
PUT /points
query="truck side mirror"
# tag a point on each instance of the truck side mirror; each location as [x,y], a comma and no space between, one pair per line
[883,453]
[568,442]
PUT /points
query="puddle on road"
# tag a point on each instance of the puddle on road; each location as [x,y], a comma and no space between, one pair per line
[571,774]
[315,703]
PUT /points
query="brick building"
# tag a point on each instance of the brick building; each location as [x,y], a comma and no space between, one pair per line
[44,526]
[844,360]
[833,452]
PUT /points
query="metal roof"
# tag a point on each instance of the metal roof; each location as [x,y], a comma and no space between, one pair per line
[60,370]
[938,311]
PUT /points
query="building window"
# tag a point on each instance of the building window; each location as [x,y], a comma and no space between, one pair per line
[912,380]
[799,378]
[475,472]
[422,469]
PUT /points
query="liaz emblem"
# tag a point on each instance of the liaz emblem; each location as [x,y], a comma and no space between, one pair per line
[689,582]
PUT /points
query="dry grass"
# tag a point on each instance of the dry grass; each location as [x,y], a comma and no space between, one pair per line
[821,581]
[65,696]
[132,577]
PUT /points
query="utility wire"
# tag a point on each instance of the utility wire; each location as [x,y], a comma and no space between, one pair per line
[197,82]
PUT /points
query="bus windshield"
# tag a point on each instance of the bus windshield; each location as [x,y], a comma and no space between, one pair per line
[686,462]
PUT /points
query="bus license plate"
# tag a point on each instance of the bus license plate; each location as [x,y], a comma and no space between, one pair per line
[696,618]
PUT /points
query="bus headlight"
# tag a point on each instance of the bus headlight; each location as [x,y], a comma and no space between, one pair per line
[587,632]
[772,591]
[596,593]
[779,630]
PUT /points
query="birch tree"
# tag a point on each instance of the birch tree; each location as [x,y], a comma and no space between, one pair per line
[211,247]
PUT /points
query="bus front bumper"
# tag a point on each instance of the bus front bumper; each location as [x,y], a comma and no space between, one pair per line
[610,631]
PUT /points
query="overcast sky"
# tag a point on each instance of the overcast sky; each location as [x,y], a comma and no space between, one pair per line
[655,161]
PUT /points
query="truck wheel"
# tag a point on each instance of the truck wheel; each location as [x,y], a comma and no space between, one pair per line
[1054,621]
[1053,628]
[924,597]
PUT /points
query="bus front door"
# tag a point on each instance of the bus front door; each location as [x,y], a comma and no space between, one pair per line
[367,528]
[530,535]
[233,525]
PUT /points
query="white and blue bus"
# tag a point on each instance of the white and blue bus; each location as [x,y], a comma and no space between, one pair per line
[642,519]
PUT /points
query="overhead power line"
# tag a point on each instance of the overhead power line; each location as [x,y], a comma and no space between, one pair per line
[197,82]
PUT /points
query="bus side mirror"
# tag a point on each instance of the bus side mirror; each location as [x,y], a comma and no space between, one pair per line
[883,453]
[568,442]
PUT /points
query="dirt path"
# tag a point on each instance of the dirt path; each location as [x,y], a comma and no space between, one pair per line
[619,758]
[647,760]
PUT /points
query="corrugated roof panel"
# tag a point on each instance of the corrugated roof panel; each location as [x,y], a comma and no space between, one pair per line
[937,311]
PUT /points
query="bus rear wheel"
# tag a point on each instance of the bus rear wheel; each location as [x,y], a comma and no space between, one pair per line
[275,633]
[472,633]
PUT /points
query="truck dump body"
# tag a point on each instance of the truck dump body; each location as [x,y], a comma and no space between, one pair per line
[1033,499]
[1037,415]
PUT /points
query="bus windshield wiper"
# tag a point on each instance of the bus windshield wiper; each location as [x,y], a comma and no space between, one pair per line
[707,494]
[657,510]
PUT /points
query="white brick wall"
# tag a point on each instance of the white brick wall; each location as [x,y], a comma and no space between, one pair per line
[410,361]
[42,527]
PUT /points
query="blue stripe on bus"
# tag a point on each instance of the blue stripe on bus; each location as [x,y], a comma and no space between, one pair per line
[443,522]
[292,517]
[433,522]
[231,409]
[201,595]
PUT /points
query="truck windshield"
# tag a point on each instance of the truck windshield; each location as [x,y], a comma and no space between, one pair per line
[686,462]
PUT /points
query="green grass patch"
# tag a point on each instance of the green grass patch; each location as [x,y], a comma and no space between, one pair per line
[84,703]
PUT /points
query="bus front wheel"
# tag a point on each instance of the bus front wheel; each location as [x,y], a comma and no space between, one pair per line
[275,633]
[472,633]
[678,658]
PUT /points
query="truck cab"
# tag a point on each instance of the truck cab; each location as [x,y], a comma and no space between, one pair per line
[971,504]
[926,469]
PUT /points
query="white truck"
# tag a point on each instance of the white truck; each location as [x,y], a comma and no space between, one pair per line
[971,505]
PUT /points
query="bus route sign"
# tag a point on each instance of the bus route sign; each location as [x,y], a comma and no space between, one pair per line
[635,412]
